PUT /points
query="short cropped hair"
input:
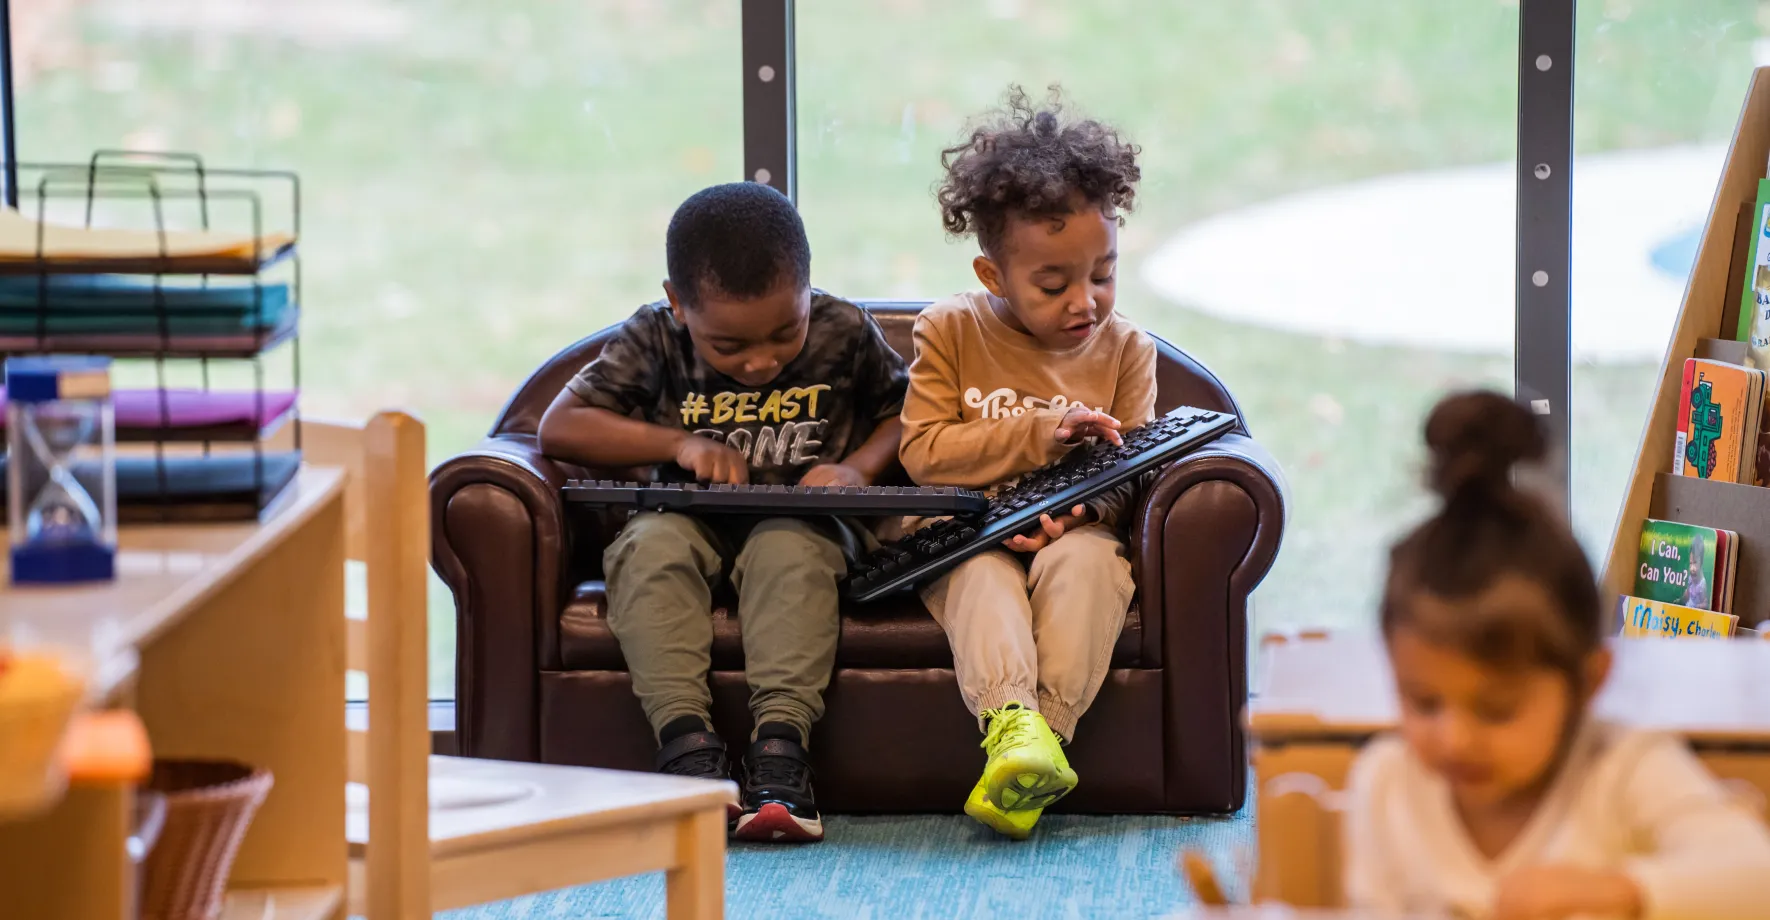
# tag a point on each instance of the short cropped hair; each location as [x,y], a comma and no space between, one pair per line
[741,239]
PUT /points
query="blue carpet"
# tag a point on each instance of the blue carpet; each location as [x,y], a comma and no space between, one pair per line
[937,866]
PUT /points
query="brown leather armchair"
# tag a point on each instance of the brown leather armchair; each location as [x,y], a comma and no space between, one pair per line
[540,678]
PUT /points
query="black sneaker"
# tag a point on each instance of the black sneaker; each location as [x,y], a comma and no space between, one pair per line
[698,754]
[778,804]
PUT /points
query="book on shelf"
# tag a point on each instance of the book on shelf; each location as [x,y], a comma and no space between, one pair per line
[1640,618]
[1754,299]
[1688,565]
[1737,259]
[1720,411]
[1733,351]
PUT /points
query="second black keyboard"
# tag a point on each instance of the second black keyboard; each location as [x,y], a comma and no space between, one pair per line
[1083,474]
[787,501]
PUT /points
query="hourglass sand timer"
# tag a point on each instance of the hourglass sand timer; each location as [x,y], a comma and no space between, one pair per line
[61,501]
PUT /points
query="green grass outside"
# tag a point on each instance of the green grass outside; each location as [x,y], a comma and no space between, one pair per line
[491,181]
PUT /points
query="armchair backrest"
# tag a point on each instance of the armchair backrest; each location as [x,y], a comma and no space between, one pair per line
[1180,381]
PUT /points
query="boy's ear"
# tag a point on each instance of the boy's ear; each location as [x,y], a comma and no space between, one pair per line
[988,273]
[675,302]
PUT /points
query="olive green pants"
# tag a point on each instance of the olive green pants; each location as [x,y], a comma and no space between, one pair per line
[661,571]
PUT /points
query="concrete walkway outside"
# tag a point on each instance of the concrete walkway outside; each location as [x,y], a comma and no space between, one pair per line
[1425,260]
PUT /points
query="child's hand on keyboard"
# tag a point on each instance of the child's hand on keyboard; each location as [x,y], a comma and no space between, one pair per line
[832,474]
[1081,422]
[1050,528]
[711,461]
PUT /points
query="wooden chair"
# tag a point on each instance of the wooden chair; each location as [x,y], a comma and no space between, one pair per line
[387,523]
[1299,842]
[439,833]
[1301,798]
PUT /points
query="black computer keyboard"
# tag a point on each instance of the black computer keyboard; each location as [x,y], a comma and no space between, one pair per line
[1081,475]
[776,500]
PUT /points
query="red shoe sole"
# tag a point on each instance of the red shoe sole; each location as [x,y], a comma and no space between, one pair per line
[775,824]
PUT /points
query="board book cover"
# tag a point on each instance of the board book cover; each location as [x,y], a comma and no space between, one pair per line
[1730,351]
[1639,618]
[1686,564]
[1754,297]
[1719,410]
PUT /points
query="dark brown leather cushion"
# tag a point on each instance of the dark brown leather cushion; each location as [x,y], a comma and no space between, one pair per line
[893,633]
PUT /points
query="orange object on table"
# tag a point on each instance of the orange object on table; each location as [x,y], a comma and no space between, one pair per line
[38,695]
[107,747]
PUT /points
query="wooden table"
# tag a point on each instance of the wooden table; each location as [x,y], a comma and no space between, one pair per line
[1321,698]
[500,830]
[229,644]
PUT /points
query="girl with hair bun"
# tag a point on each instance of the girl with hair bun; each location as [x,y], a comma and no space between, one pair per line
[1501,797]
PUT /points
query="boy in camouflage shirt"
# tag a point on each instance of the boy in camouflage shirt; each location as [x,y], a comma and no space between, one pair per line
[743,373]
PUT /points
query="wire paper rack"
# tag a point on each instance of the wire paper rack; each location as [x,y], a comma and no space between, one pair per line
[189,277]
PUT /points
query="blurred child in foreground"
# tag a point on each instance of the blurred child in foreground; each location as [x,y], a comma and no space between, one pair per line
[1501,796]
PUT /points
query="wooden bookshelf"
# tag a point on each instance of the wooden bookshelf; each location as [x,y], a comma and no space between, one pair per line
[1705,307]
[232,647]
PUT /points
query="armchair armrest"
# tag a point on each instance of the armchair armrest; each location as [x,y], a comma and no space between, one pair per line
[1206,534]
[498,540]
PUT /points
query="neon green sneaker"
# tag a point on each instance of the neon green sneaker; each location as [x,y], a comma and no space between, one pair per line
[1026,768]
[1015,825]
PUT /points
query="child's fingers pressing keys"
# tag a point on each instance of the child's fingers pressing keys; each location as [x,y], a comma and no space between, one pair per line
[1081,422]
[722,467]
[1073,420]
[1110,434]
[711,461]
[1101,426]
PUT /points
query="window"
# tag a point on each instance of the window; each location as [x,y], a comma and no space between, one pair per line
[1658,91]
[1325,219]
[484,183]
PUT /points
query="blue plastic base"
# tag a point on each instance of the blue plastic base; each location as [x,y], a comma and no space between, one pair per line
[62,563]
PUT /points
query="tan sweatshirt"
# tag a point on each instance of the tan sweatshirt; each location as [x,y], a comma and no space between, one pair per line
[985,400]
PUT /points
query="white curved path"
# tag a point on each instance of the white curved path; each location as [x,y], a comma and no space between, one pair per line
[1424,260]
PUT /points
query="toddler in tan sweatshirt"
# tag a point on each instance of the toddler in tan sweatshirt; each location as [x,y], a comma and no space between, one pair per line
[1007,380]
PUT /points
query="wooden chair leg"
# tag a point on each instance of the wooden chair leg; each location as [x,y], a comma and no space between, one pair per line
[695,889]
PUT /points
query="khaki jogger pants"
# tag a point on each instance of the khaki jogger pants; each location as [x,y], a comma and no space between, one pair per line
[1039,633]
[661,570]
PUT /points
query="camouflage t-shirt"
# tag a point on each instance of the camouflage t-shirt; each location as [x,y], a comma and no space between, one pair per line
[823,406]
